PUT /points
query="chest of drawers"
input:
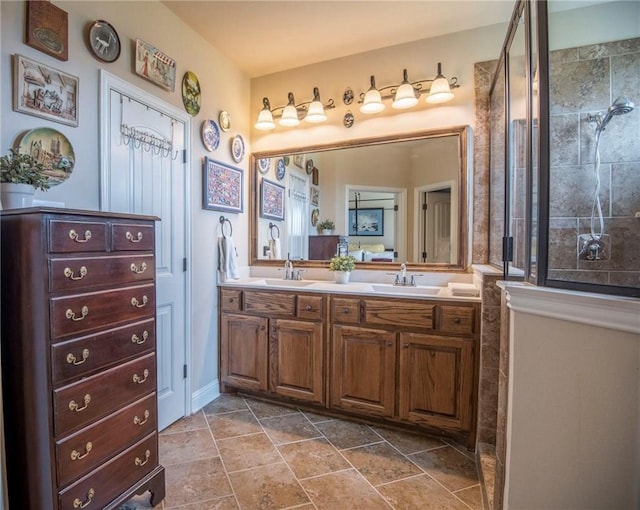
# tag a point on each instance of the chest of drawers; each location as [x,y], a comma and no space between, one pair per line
[79,358]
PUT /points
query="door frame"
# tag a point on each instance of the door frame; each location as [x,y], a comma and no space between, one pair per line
[418,233]
[110,82]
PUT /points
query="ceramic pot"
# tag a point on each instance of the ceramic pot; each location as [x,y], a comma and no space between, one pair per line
[14,196]
[342,276]
[327,232]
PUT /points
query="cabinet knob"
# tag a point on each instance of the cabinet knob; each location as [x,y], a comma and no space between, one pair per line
[389,344]
[83,504]
[456,320]
[308,308]
[405,346]
[76,455]
[231,300]
[262,328]
[346,310]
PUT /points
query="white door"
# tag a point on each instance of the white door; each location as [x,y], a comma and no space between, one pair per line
[438,225]
[143,172]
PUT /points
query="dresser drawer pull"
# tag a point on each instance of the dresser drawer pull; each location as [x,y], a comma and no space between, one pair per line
[70,314]
[73,406]
[76,455]
[139,270]
[131,239]
[346,310]
[308,308]
[72,360]
[79,504]
[140,462]
[136,339]
[73,235]
[456,320]
[141,421]
[138,304]
[138,380]
[69,273]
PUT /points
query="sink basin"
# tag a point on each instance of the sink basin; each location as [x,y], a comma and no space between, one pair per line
[276,282]
[415,291]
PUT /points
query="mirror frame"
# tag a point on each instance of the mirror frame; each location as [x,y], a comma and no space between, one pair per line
[463,182]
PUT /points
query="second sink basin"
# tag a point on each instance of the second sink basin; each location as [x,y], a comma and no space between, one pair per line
[276,282]
[399,289]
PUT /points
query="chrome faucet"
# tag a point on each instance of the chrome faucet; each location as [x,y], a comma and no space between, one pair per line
[288,270]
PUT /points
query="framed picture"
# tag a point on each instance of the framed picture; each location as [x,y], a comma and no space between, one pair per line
[47,29]
[315,178]
[366,222]
[314,195]
[271,200]
[298,160]
[44,91]
[155,66]
[222,187]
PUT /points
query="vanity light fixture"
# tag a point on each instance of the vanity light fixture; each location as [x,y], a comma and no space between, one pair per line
[289,114]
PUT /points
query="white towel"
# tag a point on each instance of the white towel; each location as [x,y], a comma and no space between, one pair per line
[464,289]
[274,246]
[227,262]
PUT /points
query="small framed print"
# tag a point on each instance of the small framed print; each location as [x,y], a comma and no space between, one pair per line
[366,222]
[271,200]
[314,196]
[222,187]
[315,178]
[298,160]
[155,66]
[47,29]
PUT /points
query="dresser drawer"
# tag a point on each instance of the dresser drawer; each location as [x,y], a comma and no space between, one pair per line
[132,237]
[270,302]
[310,307]
[71,315]
[230,300]
[96,396]
[413,314]
[346,311]
[95,491]
[84,451]
[77,236]
[81,356]
[81,272]
[456,319]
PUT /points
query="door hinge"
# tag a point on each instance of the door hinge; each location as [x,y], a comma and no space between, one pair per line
[184,371]
[507,249]
[395,208]
[184,155]
[184,264]
[424,256]
[395,254]
[424,207]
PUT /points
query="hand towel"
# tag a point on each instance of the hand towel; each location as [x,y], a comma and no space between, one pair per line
[227,262]
[274,246]
[464,289]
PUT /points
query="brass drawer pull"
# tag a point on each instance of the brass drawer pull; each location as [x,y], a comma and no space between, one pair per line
[70,314]
[308,308]
[72,360]
[73,406]
[136,339]
[131,239]
[141,421]
[138,380]
[76,455]
[346,310]
[139,270]
[456,320]
[389,344]
[79,504]
[140,462]
[74,236]
[138,304]
[69,273]
[405,346]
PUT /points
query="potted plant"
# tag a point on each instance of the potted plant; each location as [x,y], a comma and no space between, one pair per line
[21,175]
[326,227]
[342,265]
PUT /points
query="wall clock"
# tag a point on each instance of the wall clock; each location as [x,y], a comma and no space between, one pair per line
[104,41]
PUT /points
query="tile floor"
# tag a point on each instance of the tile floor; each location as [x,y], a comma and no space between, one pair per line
[240,453]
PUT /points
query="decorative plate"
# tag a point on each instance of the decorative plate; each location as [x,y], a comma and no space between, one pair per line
[191,93]
[348,120]
[263,165]
[347,97]
[210,135]
[237,148]
[52,149]
[315,214]
[280,169]
[104,41]
[225,121]
[309,166]
[287,160]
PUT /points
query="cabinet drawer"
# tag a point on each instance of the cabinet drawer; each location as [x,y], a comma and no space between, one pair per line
[82,452]
[270,302]
[81,272]
[132,237]
[81,356]
[86,312]
[456,319]
[230,300]
[96,490]
[310,307]
[96,396]
[77,236]
[399,313]
[345,310]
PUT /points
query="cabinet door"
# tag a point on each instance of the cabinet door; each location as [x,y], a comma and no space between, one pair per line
[363,370]
[436,381]
[296,359]
[243,353]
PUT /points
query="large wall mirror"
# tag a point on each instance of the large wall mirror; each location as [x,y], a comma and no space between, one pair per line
[385,201]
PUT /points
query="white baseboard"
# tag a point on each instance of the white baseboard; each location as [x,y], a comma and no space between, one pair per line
[204,395]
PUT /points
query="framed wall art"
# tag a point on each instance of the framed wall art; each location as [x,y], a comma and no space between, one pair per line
[104,41]
[298,160]
[314,196]
[47,29]
[155,66]
[44,91]
[366,222]
[271,200]
[222,187]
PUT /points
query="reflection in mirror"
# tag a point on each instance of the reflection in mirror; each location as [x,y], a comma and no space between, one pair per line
[385,201]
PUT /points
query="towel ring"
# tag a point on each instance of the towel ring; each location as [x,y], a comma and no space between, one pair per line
[272,227]
[224,220]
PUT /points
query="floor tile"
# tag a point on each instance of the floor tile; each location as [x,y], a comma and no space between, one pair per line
[224,404]
[193,482]
[451,468]
[344,434]
[193,422]
[343,490]
[267,488]
[289,428]
[267,409]
[315,418]
[471,496]
[224,503]
[247,452]
[233,424]
[313,457]
[381,463]
[421,492]
[186,446]
[408,442]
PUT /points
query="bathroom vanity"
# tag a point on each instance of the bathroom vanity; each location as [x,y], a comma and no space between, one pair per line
[404,357]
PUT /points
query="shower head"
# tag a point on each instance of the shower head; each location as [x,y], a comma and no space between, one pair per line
[619,107]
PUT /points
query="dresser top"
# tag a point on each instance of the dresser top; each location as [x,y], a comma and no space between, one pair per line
[78,212]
